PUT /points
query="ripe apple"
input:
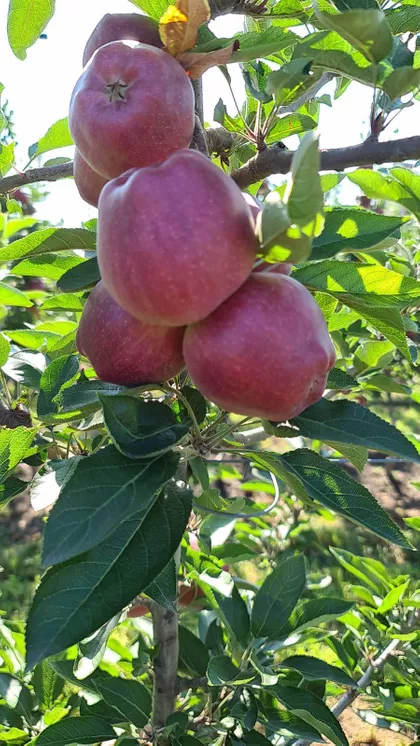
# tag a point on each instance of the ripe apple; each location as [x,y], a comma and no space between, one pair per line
[124,350]
[131,108]
[265,352]
[88,182]
[174,240]
[120,27]
[283,268]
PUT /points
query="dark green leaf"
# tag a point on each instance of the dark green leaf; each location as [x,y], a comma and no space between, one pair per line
[312,709]
[74,600]
[62,370]
[103,492]
[347,422]
[26,367]
[310,475]
[401,81]
[129,697]
[83,730]
[196,401]
[141,429]
[339,379]
[10,488]
[353,229]
[163,588]
[221,670]
[277,597]
[193,654]
[47,685]
[234,613]
[315,612]
[82,277]
[313,669]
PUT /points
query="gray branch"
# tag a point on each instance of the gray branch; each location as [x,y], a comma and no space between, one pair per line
[165,631]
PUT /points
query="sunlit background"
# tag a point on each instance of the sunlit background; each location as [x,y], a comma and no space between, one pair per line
[38,91]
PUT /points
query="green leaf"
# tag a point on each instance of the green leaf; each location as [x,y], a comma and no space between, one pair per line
[370,571]
[221,670]
[51,266]
[259,44]
[103,492]
[75,599]
[279,241]
[193,654]
[312,710]
[277,597]
[63,302]
[7,156]
[26,367]
[196,401]
[304,196]
[382,382]
[163,588]
[313,669]
[357,455]
[387,321]
[14,445]
[367,30]
[26,22]
[47,685]
[62,370]
[353,229]
[141,429]
[287,83]
[375,352]
[153,8]
[10,296]
[15,225]
[49,240]
[10,488]
[378,186]
[234,613]
[129,697]
[4,350]
[339,379]
[310,475]
[348,422]
[91,651]
[317,611]
[82,277]
[403,19]
[401,81]
[291,124]
[57,136]
[83,730]
[372,282]
[393,598]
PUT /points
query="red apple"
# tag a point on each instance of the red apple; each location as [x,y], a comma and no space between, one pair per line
[131,108]
[174,240]
[124,350]
[88,182]
[283,268]
[120,27]
[265,352]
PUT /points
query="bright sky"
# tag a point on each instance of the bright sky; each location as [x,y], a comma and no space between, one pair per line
[38,90]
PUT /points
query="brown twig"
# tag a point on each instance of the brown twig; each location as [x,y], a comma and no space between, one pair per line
[33,175]
[165,664]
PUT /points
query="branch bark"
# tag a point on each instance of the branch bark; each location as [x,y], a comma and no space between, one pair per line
[165,631]
[33,175]
[275,160]
[272,160]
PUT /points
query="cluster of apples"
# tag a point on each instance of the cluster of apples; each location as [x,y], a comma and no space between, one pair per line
[177,244]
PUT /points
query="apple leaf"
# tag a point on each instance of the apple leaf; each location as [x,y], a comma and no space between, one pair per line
[103,492]
[25,23]
[75,599]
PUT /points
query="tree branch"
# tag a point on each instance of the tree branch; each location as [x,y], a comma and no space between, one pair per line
[272,160]
[275,160]
[165,631]
[46,173]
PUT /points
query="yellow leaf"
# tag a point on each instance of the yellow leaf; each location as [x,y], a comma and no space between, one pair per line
[179,25]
